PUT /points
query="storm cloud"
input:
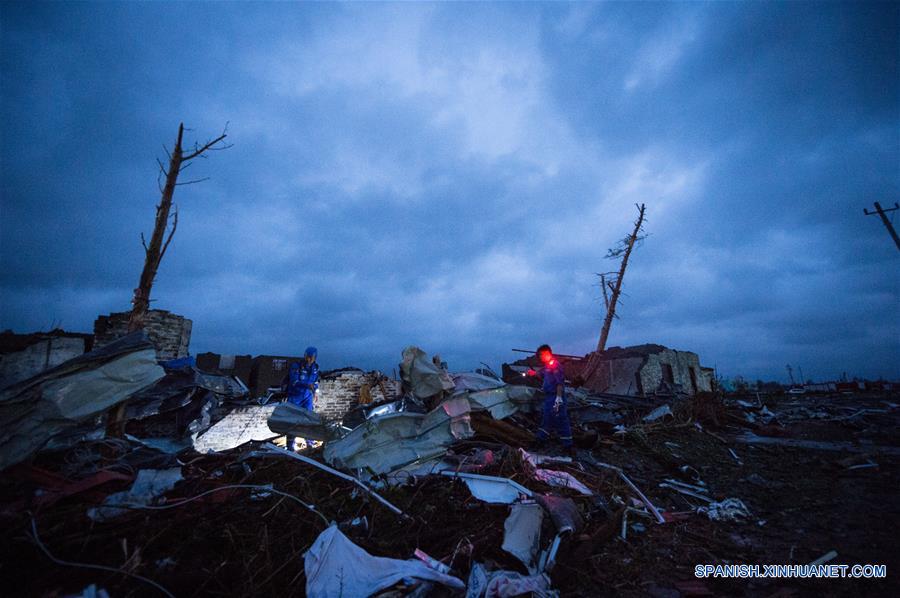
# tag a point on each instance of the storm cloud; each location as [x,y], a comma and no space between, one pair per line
[451,175]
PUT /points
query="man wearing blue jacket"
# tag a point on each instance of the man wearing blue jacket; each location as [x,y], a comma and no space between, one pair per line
[302,383]
[555,414]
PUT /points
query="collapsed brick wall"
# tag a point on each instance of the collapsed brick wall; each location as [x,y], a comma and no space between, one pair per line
[618,376]
[634,373]
[169,333]
[340,391]
[681,362]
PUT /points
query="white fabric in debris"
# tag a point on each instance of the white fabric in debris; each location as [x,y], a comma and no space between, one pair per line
[504,584]
[335,567]
[561,479]
[149,484]
[535,459]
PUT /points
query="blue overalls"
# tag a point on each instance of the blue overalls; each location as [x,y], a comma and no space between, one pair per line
[298,391]
[554,376]
[299,379]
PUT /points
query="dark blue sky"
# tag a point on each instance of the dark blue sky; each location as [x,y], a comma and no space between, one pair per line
[451,175]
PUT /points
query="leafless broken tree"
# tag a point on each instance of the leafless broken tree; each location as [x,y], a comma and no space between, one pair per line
[614,284]
[179,160]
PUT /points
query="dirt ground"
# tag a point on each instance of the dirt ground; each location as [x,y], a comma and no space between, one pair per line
[804,502]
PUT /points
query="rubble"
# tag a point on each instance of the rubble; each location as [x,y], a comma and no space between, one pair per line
[149,484]
[337,567]
[54,403]
[435,492]
[522,533]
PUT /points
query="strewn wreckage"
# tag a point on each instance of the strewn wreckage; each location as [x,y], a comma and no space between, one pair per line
[130,468]
[130,475]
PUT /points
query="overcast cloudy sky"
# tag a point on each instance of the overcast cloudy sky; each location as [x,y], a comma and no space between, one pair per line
[451,175]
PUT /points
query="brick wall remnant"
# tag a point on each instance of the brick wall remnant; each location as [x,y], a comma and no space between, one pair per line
[169,333]
[339,390]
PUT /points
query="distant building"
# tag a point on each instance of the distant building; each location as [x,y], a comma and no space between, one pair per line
[640,370]
[169,333]
[267,371]
[647,369]
[25,355]
[229,365]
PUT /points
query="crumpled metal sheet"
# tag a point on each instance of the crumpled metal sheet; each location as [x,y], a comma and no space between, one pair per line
[495,400]
[470,381]
[179,388]
[491,489]
[472,461]
[336,567]
[293,420]
[59,399]
[361,413]
[423,377]
[524,397]
[385,443]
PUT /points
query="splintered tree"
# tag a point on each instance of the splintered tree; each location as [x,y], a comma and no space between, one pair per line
[612,287]
[179,160]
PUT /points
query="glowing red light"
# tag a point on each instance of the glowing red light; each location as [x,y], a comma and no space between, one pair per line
[551,362]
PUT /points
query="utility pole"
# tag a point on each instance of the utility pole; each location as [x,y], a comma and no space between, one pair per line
[887,223]
[625,251]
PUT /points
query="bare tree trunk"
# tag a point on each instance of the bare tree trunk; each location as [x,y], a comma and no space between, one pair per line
[154,252]
[611,307]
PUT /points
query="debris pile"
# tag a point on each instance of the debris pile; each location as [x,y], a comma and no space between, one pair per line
[123,477]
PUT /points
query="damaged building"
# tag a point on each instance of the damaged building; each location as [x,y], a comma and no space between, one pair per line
[436,492]
[643,370]
[640,370]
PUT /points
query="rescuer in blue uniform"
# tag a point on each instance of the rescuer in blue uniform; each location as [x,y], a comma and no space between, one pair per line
[302,383]
[555,414]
